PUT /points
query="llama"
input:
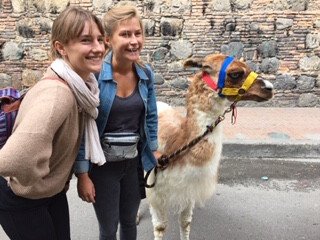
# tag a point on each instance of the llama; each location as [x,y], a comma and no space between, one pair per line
[191,177]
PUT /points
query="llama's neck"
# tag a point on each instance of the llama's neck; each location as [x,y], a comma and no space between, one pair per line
[201,115]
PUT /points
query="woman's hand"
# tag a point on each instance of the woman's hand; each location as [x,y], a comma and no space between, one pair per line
[86,190]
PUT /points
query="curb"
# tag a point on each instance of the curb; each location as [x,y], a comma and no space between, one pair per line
[271,150]
[262,163]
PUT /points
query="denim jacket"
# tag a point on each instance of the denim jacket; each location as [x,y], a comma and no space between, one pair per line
[149,126]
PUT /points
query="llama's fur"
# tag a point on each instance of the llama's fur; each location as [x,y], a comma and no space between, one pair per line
[191,177]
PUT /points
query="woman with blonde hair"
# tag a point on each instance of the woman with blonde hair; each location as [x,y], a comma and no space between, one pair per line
[127,124]
[36,161]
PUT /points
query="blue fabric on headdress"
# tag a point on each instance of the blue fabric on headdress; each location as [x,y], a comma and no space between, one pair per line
[223,71]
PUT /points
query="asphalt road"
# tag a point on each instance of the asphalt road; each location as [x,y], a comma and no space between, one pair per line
[255,200]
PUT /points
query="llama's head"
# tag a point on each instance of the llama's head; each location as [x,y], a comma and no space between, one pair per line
[230,78]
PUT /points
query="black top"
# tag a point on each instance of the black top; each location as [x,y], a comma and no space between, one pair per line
[125,114]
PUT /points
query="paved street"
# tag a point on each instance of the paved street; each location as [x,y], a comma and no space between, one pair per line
[245,207]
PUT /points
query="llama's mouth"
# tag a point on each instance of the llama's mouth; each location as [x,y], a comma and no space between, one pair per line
[258,98]
[261,92]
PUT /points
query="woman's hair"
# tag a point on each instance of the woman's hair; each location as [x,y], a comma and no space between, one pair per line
[69,25]
[124,10]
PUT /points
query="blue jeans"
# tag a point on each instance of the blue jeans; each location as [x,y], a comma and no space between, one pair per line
[29,219]
[117,198]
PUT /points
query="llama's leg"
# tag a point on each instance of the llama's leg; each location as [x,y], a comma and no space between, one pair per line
[138,216]
[159,221]
[185,221]
[141,210]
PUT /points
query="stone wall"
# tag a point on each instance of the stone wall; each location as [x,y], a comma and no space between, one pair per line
[279,38]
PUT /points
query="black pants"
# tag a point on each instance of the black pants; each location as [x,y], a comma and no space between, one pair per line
[117,198]
[28,219]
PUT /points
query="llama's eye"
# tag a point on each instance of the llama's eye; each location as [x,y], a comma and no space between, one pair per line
[235,75]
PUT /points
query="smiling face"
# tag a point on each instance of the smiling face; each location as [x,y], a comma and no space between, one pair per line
[84,54]
[126,41]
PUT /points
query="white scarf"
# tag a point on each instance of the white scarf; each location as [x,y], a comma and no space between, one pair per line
[87,96]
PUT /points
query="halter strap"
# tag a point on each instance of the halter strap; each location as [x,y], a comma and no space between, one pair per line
[243,89]
[221,81]
[223,71]
[209,81]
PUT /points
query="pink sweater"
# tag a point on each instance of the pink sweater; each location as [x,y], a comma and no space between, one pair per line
[39,155]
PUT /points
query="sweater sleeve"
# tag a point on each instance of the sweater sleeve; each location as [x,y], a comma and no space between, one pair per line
[27,152]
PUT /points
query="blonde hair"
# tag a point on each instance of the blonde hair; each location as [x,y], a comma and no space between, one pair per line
[69,25]
[124,10]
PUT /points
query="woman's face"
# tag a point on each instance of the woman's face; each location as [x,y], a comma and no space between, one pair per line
[126,41]
[85,53]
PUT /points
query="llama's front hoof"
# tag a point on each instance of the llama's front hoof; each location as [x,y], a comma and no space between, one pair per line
[159,232]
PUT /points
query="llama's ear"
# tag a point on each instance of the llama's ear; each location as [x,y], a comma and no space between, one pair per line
[241,59]
[207,69]
[192,64]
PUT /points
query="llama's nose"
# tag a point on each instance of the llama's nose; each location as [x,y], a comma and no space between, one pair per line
[267,85]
